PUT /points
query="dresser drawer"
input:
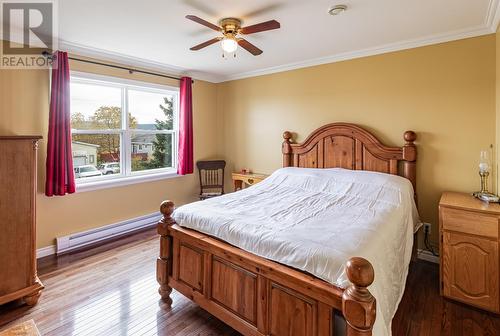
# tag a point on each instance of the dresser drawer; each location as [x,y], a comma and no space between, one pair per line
[469,222]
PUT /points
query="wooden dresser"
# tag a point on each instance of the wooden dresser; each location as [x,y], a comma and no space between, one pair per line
[469,241]
[18,278]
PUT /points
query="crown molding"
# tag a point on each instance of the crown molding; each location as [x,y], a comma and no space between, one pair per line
[493,15]
[130,61]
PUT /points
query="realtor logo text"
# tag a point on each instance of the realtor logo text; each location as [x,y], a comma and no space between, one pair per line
[28,29]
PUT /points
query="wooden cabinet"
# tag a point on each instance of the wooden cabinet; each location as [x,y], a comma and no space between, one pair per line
[469,233]
[18,278]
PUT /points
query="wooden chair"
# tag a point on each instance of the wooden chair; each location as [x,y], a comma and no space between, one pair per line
[211,178]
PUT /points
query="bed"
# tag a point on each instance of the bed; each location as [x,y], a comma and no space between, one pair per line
[272,269]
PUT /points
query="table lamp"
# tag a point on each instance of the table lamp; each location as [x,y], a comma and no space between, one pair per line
[484,172]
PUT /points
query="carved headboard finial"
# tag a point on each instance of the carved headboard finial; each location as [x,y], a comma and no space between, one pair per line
[286,149]
[410,137]
[287,135]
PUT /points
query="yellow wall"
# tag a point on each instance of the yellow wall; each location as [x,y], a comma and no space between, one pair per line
[445,92]
[24,101]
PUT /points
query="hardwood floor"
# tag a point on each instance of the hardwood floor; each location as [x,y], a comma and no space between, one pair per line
[112,290]
[424,312]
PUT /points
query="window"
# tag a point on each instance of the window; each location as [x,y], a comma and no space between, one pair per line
[122,129]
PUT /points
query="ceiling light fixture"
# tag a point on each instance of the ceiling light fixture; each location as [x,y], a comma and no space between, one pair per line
[229,44]
[337,9]
[230,28]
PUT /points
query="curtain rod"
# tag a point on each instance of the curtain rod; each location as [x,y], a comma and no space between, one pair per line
[130,70]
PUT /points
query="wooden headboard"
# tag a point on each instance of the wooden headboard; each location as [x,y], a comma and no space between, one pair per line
[349,146]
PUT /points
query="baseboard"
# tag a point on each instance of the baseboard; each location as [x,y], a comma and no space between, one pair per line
[45,251]
[427,256]
[78,240]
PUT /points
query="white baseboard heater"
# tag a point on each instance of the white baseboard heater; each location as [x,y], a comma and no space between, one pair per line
[82,239]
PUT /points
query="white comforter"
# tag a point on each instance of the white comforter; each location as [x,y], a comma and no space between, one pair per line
[315,220]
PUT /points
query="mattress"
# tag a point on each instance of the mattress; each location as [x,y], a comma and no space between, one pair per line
[315,220]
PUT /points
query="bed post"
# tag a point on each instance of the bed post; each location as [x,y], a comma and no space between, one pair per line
[410,172]
[410,158]
[358,304]
[164,261]
[286,149]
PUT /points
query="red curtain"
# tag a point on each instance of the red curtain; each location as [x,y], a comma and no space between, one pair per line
[186,128]
[60,178]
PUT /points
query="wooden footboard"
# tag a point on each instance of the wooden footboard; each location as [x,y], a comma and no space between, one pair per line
[254,295]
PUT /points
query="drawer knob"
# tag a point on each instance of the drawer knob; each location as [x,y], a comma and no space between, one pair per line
[250,181]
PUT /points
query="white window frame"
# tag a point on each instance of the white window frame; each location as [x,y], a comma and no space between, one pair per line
[126,175]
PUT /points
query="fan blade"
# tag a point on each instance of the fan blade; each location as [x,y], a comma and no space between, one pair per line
[206,44]
[249,47]
[203,22]
[259,27]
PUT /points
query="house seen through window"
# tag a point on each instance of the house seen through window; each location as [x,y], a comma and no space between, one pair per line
[122,128]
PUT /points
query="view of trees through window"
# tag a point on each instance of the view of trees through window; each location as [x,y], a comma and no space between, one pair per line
[162,144]
[100,134]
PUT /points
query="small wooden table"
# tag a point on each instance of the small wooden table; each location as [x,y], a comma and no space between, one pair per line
[240,180]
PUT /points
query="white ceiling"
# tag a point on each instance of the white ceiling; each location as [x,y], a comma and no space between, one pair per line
[155,33]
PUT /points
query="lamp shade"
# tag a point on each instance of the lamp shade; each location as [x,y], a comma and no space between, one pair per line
[484,161]
[229,44]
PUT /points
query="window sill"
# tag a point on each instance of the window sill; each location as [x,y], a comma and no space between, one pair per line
[123,181]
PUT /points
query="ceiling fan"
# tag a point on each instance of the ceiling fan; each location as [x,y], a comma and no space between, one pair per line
[230,28]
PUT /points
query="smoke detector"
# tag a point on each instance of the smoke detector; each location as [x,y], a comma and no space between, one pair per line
[337,9]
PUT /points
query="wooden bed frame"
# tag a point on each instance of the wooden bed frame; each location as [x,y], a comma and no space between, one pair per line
[257,296]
